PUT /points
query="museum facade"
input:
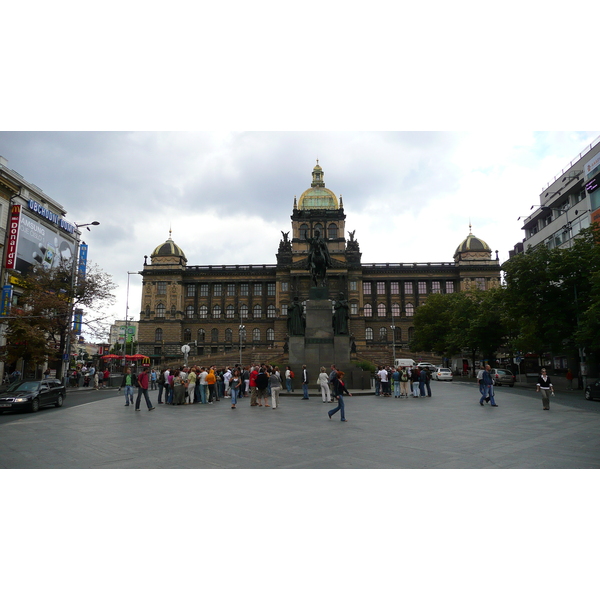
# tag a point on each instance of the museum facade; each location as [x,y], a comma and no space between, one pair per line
[215,309]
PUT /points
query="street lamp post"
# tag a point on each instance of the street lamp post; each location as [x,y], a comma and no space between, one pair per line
[76,260]
[127,315]
[242,332]
[393,339]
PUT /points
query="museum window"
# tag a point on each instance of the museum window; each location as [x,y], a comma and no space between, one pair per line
[216,312]
[411,333]
[270,289]
[395,310]
[284,308]
[381,311]
[383,334]
[436,287]
[394,287]
[243,311]
[257,289]
[369,334]
[217,289]
[332,231]
[158,335]
[231,289]
[228,336]
[160,311]
[397,334]
[449,287]
[201,336]
[230,312]
[256,335]
[147,310]
[353,286]
[410,310]
[353,308]
[157,350]
[284,286]
[187,335]
[271,312]
[422,287]
[270,335]
[257,311]
[190,290]
[214,335]
[367,288]
[244,289]
[204,290]
[161,287]
[303,231]
[189,312]
[381,287]
[203,312]
[318,227]
[408,287]
[173,311]
[480,283]
[367,310]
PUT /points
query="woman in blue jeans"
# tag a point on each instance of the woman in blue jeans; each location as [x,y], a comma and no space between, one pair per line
[339,389]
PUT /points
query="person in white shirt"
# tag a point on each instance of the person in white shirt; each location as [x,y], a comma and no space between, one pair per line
[383,377]
[323,381]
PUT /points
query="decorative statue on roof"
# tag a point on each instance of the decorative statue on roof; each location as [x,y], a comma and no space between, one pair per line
[319,259]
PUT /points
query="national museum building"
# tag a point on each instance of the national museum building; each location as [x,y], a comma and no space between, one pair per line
[214,308]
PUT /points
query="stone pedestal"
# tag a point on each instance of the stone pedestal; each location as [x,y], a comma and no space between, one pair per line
[319,347]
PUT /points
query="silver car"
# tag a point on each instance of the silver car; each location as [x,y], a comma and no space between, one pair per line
[502,377]
[442,374]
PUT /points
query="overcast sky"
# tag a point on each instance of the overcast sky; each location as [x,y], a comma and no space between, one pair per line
[227,196]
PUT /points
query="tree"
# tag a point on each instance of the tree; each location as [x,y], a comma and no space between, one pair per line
[39,327]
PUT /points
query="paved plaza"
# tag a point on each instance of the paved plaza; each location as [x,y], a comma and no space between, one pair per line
[447,431]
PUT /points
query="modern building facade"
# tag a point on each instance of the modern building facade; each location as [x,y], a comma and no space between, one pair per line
[218,308]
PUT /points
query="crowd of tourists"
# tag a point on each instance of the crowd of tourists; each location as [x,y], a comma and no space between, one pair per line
[402,381]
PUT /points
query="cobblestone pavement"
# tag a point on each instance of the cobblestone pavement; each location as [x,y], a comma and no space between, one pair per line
[448,430]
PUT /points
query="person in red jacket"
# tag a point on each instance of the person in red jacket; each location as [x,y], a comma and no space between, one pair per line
[253,388]
[142,385]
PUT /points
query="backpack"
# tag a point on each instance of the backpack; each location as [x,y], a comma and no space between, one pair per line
[404,376]
[291,374]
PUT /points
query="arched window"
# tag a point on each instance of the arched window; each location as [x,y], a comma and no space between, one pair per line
[318,227]
[158,335]
[203,312]
[368,310]
[410,310]
[303,231]
[369,333]
[411,333]
[257,312]
[270,335]
[147,310]
[381,310]
[332,231]
[173,311]
[189,312]
[230,313]
[383,334]
[271,313]
[244,311]
[187,335]
[256,335]
[201,335]
[216,312]
[395,310]
[397,334]
[228,335]
[160,311]
[214,335]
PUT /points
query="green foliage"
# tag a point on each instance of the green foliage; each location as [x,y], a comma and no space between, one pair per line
[365,365]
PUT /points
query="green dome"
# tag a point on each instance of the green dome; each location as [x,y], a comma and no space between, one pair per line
[169,248]
[318,196]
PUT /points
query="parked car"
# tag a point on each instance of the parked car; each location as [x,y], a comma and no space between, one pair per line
[426,365]
[442,374]
[592,391]
[502,376]
[33,395]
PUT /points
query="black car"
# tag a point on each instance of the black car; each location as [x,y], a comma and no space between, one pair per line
[592,391]
[32,395]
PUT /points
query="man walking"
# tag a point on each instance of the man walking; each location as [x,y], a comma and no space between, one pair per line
[142,382]
[129,381]
[487,384]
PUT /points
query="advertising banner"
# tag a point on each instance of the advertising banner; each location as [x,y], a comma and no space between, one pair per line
[77,321]
[38,245]
[83,250]
[7,291]
[13,237]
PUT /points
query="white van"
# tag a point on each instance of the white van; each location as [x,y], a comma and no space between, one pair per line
[404,362]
